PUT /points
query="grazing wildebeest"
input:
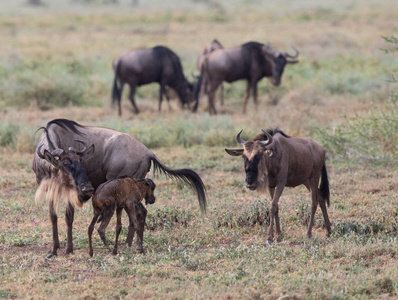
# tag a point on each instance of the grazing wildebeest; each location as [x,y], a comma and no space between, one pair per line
[116,154]
[274,160]
[158,64]
[251,61]
[214,45]
[118,194]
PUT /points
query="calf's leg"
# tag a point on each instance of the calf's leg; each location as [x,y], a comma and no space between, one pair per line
[314,205]
[325,213]
[90,233]
[118,228]
[107,215]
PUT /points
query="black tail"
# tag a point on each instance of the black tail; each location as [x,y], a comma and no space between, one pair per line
[324,187]
[116,91]
[186,175]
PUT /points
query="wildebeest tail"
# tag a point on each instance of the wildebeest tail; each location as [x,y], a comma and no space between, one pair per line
[324,186]
[116,90]
[187,176]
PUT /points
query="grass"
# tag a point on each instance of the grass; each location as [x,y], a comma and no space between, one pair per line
[56,63]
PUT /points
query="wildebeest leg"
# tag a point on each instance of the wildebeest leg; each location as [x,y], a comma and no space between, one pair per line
[120,100]
[69,216]
[211,95]
[54,223]
[254,86]
[132,99]
[133,226]
[222,94]
[90,233]
[247,95]
[314,205]
[118,228]
[141,213]
[162,92]
[325,213]
[277,222]
[107,215]
[274,212]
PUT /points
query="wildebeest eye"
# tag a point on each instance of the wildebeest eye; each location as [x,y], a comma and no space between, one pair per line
[66,162]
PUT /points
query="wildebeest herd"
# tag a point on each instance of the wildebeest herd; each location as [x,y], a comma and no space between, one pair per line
[112,166]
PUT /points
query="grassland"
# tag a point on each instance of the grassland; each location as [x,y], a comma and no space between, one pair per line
[55,62]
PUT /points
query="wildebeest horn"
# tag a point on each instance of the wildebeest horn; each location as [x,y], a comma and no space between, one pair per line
[291,56]
[79,152]
[240,141]
[269,139]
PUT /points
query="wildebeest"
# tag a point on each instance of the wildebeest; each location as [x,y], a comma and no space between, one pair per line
[158,64]
[61,175]
[116,154]
[251,61]
[273,160]
[118,194]
[214,45]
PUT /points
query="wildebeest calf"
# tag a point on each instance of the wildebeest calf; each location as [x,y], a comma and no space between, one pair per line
[121,193]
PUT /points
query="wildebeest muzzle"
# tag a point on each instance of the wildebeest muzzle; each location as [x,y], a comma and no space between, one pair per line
[251,180]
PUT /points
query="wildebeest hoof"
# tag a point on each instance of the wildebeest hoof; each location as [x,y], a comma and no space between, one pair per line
[268,243]
[49,255]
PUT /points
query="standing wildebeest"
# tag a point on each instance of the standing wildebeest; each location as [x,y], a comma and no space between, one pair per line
[214,45]
[251,61]
[61,175]
[118,194]
[116,154]
[158,64]
[274,160]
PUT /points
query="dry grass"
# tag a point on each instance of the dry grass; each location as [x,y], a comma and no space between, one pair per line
[221,255]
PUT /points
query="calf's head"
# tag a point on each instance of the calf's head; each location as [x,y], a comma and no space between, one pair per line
[70,163]
[253,153]
[150,191]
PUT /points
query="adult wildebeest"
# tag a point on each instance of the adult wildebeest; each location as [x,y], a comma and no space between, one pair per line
[251,61]
[60,174]
[116,154]
[274,160]
[118,194]
[214,45]
[158,64]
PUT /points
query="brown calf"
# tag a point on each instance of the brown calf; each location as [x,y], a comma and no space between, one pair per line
[121,193]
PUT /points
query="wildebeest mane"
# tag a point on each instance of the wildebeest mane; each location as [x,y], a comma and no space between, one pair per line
[272,132]
[66,124]
[252,50]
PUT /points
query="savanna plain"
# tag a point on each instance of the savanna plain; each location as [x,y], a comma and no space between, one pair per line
[56,62]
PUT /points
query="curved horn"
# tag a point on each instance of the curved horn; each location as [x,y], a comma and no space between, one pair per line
[240,141]
[82,151]
[292,56]
[269,139]
[38,151]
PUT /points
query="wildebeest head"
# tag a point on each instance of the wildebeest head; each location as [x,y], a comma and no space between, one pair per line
[278,62]
[150,196]
[70,163]
[253,153]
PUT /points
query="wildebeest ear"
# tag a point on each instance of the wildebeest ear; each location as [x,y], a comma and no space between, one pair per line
[51,158]
[89,152]
[234,152]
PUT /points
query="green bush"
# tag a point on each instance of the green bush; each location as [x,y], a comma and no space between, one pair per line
[8,134]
